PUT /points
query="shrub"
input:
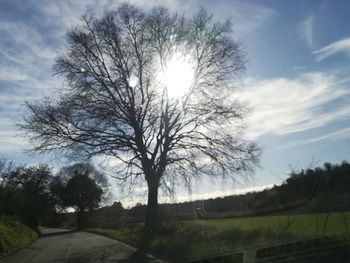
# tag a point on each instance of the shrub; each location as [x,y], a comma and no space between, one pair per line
[14,235]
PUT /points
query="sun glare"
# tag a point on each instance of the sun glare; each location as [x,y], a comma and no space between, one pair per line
[177,76]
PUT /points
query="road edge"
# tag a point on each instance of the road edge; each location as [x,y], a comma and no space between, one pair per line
[150,256]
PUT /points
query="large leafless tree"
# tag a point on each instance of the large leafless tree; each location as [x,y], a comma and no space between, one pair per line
[115,105]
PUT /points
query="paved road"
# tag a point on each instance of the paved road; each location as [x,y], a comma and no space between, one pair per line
[49,231]
[77,247]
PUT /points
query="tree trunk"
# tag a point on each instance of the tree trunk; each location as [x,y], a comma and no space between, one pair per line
[152,214]
[80,221]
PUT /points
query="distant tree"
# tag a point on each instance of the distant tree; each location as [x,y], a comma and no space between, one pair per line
[6,193]
[5,167]
[27,193]
[33,178]
[82,193]
[87,169]
[116,105]
[80,186]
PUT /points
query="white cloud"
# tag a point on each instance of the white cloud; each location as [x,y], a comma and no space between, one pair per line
[11,142]
[337,135]
[307,28]
[25,74]
[334,136]
[10,139]
[282,105]
[341,46]
[246,17]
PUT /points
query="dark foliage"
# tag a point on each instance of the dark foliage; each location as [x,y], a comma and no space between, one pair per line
[24,193]
[83,194]
[113,216]
[322,189]
[80,186]
[33,195]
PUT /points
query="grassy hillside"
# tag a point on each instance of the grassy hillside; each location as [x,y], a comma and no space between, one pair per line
[14,235]
[299,225]
[192,239]
[319,190]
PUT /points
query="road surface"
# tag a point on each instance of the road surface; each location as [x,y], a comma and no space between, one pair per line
[51,231]
[76,247]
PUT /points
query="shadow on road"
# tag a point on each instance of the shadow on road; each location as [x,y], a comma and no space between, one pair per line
[136,257]
[57,233]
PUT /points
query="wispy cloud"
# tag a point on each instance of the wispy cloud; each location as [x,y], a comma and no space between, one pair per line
[283,105]
[341,46]
[24,75]
[244,14]
[246,17]
[307,29]
[334,136]
[337,135]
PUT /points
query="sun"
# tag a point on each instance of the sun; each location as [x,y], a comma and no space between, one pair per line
[177,75]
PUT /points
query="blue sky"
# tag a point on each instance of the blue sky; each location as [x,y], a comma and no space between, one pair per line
[297,79]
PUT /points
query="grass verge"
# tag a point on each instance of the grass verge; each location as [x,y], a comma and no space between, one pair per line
[178,242]
[305,225]
[128,235]
[193,239]
[14,235]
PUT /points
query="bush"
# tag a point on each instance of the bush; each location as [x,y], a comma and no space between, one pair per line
[183,241]
[14,235]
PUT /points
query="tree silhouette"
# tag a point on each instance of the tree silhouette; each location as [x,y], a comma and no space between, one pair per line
[24,192]
[82,193]
[84,168]
[81,186]
[115,105]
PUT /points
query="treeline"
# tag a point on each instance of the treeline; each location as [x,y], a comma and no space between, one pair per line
[34,195]
[321,189]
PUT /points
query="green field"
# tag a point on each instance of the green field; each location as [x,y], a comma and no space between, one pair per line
[193,239]
[299,225]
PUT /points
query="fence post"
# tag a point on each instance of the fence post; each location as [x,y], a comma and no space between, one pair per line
[326,223]
[346,223]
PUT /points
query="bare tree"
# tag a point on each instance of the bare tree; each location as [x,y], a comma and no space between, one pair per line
[86,169]
[5,168]
[117,105]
